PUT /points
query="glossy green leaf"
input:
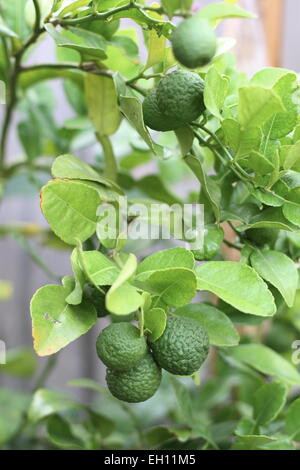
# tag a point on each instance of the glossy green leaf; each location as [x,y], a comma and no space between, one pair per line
[242,141]
[70,209]
[267,361]
[238,285]
[257,105]
[55,324]
[268,402]
[215,91]
[101,99]
[172,258]
[47,402]
[292,421]
[99,269]
[21,362]
[155,320]
[123,298]
[279,270]
[173,286]
[209,186]
[88,44]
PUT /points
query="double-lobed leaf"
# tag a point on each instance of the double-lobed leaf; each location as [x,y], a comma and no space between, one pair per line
[55,323]
[278,269]
[238,285]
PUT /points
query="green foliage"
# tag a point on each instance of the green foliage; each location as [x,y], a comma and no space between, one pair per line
[235,150]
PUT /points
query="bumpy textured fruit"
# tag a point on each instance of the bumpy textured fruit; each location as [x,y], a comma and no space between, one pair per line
[194,42]
[120,346]
[180,95]
[183,347]
[137,384]
[154,118]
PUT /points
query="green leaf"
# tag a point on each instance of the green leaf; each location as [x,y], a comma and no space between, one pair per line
[20,362]
[283,123]
[220,329]
[102,104]
[75,297]
[268,402]
[183,399]
[252,442]
[7,32]
[185,138]
[213,239]
[87,43]
[153,186]
[60,433]
[173,286]
[123,298]
[292,420]
[155,320]
[269,218]
[268,76]
[70,209]
[178,257]
[215,91]
[292,157]
[47,402]
[257,105]
[156,45]
[209,186]
[13,406]
[55,324]
[267,361]
[238,285]
[243,142]
[159,434]
[259,163]
[131,107]
[99,269]
[292,212]
[279,270]
[222,10]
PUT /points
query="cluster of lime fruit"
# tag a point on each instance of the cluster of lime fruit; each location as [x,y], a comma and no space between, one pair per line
[178,98]
[134,363]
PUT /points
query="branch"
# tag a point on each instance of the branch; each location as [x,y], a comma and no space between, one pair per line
[12,100]
[107,14]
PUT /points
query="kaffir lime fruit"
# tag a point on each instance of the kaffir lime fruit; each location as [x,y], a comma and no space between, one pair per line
[154,118]
[183,346]
[180,96]
[120,346]
[194,42]
[137,384]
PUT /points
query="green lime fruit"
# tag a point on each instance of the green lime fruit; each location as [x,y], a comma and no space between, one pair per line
[183,346]
[262,236]
[194,42]
[180,96]
[120,346]
[138,384]
[154,118]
